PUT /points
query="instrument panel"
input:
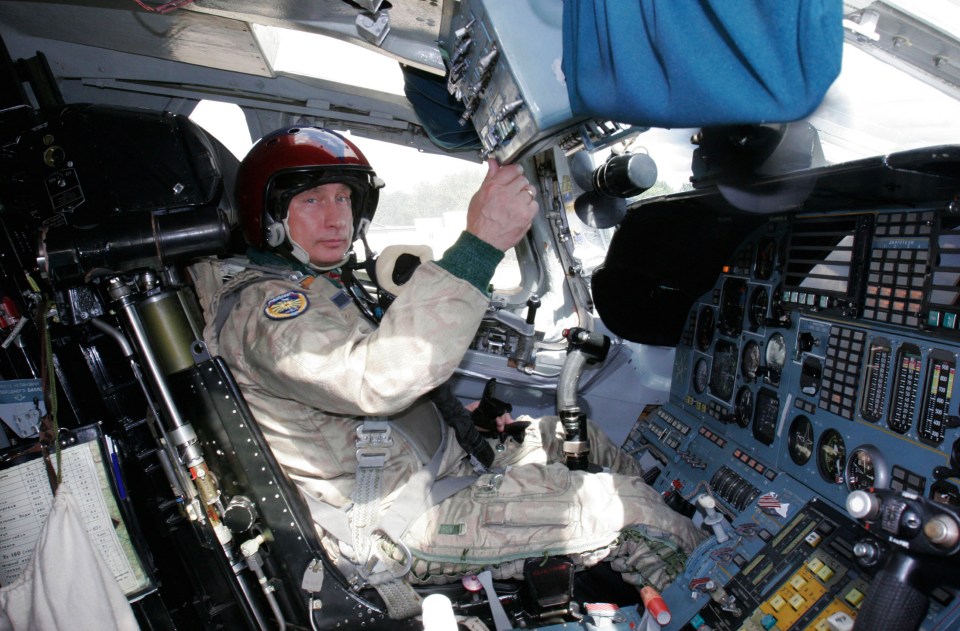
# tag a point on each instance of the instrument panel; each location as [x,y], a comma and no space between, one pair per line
[824,367]
[822,362]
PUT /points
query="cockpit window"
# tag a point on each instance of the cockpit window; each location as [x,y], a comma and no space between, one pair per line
[309,55]
[225,121]
[425,202]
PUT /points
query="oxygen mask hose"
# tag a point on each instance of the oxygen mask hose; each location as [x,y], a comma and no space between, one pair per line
[458,418]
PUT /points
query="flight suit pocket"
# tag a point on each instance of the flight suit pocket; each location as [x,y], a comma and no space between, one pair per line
[526,482]
[531,513]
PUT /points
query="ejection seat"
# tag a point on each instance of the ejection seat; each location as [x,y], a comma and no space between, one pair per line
[264,507]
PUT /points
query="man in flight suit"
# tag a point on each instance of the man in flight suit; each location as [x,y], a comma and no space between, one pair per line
[340,398]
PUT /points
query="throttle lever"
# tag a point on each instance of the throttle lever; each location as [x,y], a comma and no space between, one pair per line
[894,603]
[924,536]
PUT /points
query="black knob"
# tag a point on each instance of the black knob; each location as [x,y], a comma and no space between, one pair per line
[240,514]
[867,553]
[942,473]
[532,305]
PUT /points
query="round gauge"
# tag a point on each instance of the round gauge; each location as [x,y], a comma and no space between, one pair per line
[757,309]
[744,406]
[701,375]
[766,255]
[866,469]
[724,369]
[800,440]
[831,456]
[777,312]
[776,354]
[750,360]
[706,324]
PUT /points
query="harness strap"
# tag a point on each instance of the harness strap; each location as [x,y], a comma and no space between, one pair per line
[364,524]
[421,492]
[383,571]
[402,601]
[373,441]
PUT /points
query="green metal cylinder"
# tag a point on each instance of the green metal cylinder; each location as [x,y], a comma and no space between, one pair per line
[168,328]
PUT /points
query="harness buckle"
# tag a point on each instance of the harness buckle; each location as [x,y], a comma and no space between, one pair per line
[381,568]
[371,458]
[375,434]
[373,439]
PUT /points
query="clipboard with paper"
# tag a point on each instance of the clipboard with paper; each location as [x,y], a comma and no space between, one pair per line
[89,467]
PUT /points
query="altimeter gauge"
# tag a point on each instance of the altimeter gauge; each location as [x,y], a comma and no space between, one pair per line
[866,469]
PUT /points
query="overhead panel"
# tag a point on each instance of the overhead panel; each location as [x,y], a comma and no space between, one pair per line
[411,28]
[184,36]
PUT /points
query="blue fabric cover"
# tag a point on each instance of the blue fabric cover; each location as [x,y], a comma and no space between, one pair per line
[696,63]
[438,112]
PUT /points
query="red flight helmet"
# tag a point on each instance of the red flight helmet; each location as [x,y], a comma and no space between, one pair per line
[289,161]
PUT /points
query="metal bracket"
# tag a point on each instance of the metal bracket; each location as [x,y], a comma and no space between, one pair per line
[373,28]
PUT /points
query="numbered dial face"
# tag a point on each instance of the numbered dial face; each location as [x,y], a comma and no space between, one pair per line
[831,456]
[776,354]
[866,469]
[744,406]
[757,308]
[724,374]
[706,324]
[701,375]
[800,440]
[750,360]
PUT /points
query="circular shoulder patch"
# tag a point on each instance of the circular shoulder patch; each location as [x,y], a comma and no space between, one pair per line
[288,305]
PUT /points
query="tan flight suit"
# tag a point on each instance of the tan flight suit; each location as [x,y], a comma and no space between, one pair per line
[308,377]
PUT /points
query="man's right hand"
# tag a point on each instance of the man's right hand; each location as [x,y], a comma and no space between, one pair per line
[503,208]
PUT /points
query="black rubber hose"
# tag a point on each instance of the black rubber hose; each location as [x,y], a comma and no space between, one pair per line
[458,418]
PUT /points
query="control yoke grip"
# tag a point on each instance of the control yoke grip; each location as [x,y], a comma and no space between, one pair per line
[893,603]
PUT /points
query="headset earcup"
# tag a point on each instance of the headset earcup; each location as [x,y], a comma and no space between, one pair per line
[275,234]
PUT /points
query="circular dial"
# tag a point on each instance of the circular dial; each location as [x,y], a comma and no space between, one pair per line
[701,375]
[766,255]
[744,406]
[757,308]
[866,469]
[800,440]
[706,324]
[750,360]
[831,456]
[776,354]
[777,314]
[724,375]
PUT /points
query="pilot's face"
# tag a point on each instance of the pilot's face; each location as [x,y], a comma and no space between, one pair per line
[321,222]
